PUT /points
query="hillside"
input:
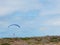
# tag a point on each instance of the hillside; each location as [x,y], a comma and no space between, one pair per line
[47,40]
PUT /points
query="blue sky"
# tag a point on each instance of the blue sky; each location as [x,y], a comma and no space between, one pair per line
[36,17]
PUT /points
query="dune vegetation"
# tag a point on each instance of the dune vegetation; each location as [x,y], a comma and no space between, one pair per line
[47,40]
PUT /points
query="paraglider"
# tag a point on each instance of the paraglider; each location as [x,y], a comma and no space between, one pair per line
[14,25]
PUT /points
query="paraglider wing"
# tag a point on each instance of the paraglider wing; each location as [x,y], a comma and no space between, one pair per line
[14,25]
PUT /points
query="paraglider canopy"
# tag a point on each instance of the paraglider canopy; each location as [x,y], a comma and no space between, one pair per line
[14,25]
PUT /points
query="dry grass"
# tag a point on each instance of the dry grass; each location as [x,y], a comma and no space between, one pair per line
[47,40]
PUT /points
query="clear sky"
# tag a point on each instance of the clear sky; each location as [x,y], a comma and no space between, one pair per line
[36,17]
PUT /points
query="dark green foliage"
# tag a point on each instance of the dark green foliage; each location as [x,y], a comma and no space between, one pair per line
[25,38]
[5,44]
[55,39]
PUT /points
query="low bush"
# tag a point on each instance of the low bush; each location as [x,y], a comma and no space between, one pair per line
[5,44]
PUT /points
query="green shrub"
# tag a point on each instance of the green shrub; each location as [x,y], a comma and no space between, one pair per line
[25,38]
[54,39]
[5,44]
